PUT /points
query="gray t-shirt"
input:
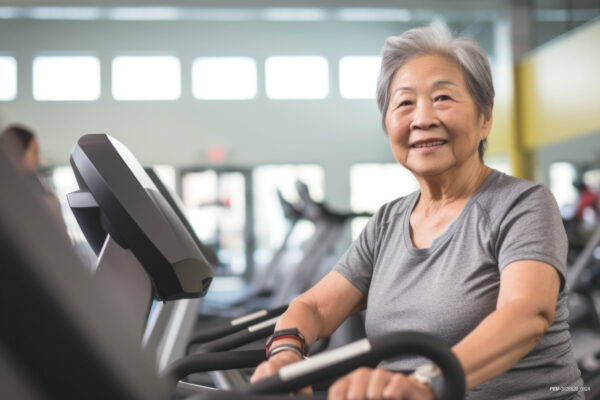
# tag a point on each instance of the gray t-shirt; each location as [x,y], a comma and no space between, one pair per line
[449,288]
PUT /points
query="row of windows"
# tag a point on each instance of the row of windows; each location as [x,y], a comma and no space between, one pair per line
[77,78]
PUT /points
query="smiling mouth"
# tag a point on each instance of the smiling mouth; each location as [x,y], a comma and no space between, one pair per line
[428,144]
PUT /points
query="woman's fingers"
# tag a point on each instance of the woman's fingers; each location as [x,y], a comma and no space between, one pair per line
[372,384]
[268,368]
[263,370]
[338,390]
[351,386]
[274,364]
[363,383]
[377,383]
[307,390]
[396,388]
[357,388]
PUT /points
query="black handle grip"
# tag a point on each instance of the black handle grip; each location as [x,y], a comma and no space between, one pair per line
[213,362]
[402,343]
[314,210]
[236,395]
[206,335]
[237,339]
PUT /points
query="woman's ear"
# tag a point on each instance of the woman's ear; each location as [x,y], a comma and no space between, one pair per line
[486,125]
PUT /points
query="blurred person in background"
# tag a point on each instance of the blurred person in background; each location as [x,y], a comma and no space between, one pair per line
[21,146]
[586,198]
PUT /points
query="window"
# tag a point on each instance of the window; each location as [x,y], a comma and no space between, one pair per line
[220,78]
[167,175]
[271,225]
[591,178]
[146,78]
[562,176]
[297,77]
[66,78]
[372,185]
[8,78]
[216,206]
[66,13]
[358,77]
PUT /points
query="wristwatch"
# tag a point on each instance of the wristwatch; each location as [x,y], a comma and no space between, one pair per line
[431,375]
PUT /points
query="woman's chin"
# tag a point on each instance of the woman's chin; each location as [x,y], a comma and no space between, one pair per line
[429,171]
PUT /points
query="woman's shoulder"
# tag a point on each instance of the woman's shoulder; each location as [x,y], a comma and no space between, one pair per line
[499,179]
[504,192]
[499,183]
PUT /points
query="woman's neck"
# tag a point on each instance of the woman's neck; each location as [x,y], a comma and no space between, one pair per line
[452,186]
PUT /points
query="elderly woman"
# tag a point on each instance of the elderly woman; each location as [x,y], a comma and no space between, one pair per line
[475,256]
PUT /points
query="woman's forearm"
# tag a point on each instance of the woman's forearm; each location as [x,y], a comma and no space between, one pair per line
[302,316]
[318,312]
[500,341]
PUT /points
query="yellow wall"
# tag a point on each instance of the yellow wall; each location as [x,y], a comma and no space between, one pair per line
[558,89]
[556,97]
[503,123]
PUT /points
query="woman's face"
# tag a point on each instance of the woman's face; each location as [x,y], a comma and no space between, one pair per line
[432,121]
[31,157]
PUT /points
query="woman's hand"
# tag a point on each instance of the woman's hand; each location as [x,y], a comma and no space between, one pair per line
[368,383]
[274,364]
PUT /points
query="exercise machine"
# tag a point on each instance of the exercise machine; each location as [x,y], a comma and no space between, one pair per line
[144,249]
[584,310]
[80,322]
[329,226]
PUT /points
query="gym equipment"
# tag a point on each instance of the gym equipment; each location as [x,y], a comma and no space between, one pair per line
[63,334]
[229,333]
[264,285]
[251,323]
[226,326]
[79,322]
[338,362]
[329,226]
[177,206]
[584,315]
[145,250]
[297,278]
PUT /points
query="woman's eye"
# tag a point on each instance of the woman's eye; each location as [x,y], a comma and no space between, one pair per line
[404,103]
[442,97]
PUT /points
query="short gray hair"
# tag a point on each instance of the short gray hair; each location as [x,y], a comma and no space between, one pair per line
[437,39]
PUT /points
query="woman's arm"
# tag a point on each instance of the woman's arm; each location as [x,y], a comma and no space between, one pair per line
[525,310]
[316,313]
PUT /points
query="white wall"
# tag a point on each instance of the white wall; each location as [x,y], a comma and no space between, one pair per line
[333,132]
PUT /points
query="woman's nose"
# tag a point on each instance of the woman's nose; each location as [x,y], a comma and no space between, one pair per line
[424,116]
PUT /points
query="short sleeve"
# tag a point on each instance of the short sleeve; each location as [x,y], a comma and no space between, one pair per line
[532,229]
[356,264]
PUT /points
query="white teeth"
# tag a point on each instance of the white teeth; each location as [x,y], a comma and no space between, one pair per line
[430,144]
